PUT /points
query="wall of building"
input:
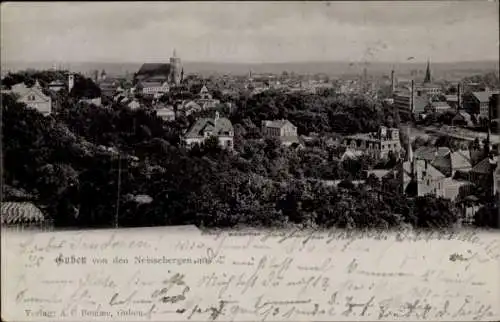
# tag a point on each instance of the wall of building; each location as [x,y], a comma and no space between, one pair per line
[224,141]
[43,106]
[428,184]
[288,130]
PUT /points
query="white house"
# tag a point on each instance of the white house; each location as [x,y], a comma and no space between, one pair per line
[154,88]
[33,97]
[134,105]
[284,130]
[166,113]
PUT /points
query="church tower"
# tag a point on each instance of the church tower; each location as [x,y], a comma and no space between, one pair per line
[175,69]
[427,78]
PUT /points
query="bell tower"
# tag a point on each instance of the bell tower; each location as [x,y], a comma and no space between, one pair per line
[175,69]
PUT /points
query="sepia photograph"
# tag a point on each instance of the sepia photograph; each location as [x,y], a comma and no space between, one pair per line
[137,124]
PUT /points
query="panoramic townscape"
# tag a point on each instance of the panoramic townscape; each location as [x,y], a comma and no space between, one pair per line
[362,144]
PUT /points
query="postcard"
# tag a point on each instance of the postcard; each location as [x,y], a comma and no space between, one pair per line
[250,161]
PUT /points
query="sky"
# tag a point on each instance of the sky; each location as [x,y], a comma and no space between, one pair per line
[250,32]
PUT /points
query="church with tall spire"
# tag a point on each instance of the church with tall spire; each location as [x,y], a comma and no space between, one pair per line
[170,73]
[427,87]
[427,78]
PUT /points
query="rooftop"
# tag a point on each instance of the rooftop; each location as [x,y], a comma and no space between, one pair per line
[277,123]
[20,212]
[483,97]
[154,68]
[222,126]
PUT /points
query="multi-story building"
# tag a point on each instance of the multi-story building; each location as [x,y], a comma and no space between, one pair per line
[204,128]
[165,112]
[284,130]
[403,102]
[153,87]
[438,107]
[377,144]
[33,97]
[478,103]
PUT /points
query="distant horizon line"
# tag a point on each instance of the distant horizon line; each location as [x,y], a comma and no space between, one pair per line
[258,63]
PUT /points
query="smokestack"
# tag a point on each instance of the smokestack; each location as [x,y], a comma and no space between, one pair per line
[412,96]
[459,89]
[392,81]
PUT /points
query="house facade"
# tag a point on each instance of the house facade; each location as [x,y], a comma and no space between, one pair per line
[166,113]
[438,107]
[33,97]
[202,129]
[154,88]
[283,130]
[205,99]
[377,144]
[403,102]
[56,85]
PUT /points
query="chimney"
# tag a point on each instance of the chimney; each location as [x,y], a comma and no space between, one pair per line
[392,81]
[459,89]
[412,96]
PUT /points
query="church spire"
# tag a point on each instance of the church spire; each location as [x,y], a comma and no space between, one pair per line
[409,154]
[428,73]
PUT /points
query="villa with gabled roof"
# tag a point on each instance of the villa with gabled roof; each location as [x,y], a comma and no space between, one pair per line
[204,128]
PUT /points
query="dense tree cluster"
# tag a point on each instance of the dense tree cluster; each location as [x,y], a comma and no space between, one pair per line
[69,164]
[345,114]
[29,77]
